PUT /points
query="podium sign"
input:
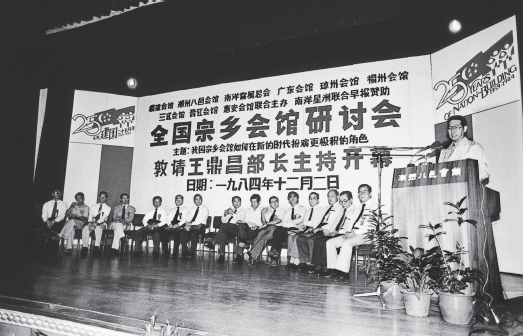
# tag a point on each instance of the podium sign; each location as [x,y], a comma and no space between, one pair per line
[418,197]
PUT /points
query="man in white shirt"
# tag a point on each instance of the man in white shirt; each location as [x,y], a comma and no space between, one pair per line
[249,228]
[123,216]
[98,215]
[153,221]
[53,215]
[232,216]
[312,219]
[329,218]
[353,234]
[195,226]
[462,148]
[270,217]
[293,217]
[78,215]
[176,220]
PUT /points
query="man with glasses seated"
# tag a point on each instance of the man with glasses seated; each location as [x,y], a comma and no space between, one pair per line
[77,214]
[176,221]
[351,234]
[98,215]
[462,148]
[123,216]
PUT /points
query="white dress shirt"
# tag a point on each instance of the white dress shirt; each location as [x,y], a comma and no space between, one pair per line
[317,215]
[47,210]
[350,216]
[467,149]
[280,213]
[253,216]
[182,214]
[238,215]
[299,217]
[104,213]
[203,213]
[333,217]
[364,223]
[161,215]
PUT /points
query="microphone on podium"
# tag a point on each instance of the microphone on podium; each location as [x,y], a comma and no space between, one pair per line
[434,145]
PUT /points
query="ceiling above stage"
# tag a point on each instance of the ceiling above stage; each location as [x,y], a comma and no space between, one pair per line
[173,45]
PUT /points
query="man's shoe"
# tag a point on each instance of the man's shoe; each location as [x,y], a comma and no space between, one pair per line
[190,255]
[331,273]
[238,259]
[274,263]
[302,266]
[114,252]
[84,252]
[156,254]
[221,258]
[174,255]
[166,252]
[294,266]
[209,245]
[68,251]
[342,277]
[184,254]
[96,251]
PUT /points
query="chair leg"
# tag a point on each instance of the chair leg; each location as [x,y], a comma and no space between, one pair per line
[355,265]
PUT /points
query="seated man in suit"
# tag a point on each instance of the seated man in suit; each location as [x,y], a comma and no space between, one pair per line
[305,243]
[176,221]
[53,215]
[249,228]
[153,220]
[98,215]
[312,219]
[123,216]
[229,227]
[353,234]
[293,217]
[195,226]
[270,218]
[462,148]
[78,215]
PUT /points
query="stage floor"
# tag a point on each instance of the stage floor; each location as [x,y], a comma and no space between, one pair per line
[204,295]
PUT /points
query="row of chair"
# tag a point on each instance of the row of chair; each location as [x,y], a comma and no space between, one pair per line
[213,224]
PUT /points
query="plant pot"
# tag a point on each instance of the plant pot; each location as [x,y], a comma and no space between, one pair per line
[456,308]
[391,295]
[417,307]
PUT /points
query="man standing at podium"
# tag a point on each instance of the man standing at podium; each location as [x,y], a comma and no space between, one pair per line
[463,148]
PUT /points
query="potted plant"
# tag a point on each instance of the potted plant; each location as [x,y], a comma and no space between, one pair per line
[388,270]
[420,269]
[456,283]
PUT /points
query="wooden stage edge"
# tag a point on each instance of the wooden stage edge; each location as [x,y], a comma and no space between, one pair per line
[203,297]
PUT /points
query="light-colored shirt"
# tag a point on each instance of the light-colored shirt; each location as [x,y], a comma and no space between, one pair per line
[203,213]
[80,211]
[299,217]
[351,214]
[161,215]
[128,217]
[317,215]
[238,215]
[333,217]
[104,213]
[182,214]
[467,149]
[253,216]
[364,222]
[47,210]
[280,213]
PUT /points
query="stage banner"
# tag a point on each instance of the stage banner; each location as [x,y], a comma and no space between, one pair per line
[303,132]
[103,119]
[477,73]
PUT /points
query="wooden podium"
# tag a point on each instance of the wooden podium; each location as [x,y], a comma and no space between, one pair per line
[418,196]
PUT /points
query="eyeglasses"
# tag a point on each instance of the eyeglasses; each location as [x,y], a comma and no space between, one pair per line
[363,192]
[344,201]
[454,128]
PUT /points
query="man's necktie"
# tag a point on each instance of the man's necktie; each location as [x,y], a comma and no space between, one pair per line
[54,214]
[342,220]
[361,213]
[292,214]
[230,219]
[155,214]
[122,217]
[195,214]
[97,217]
[175,219]
[322,222]
[272,216]
[310,216]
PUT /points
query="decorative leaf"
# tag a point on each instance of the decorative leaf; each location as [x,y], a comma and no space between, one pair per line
[460,202]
